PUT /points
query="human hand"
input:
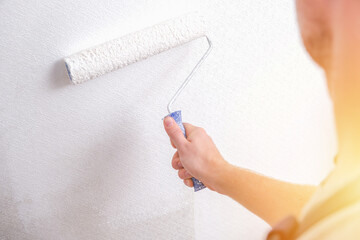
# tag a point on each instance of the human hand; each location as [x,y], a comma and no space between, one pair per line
[196,155]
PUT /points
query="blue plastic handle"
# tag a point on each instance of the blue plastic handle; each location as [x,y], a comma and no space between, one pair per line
[198,185]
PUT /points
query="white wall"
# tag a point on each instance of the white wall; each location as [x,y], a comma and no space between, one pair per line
[92,161]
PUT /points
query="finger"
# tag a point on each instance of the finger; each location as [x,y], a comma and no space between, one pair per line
[172,144]
[174,132]
[183,174]
[188,182]
[175,162]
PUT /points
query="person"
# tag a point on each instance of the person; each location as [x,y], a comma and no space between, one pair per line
[330,30]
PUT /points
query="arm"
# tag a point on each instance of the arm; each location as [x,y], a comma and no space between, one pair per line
[198,156]
[268,198]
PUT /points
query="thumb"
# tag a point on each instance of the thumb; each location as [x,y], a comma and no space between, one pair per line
[174,132]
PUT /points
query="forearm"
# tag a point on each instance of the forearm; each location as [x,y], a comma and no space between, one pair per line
[268,198]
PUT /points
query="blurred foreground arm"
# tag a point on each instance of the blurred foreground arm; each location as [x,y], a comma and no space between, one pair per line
[197,156]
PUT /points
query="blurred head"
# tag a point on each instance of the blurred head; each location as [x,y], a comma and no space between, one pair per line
[314,17]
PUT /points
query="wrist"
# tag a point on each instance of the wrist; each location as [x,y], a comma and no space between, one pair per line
[223,177]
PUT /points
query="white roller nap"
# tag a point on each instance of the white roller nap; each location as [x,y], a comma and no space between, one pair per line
[118,53]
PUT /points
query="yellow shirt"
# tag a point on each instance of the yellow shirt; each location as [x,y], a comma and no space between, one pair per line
[342,224]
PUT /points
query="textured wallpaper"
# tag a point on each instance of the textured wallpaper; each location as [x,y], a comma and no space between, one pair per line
[92,161]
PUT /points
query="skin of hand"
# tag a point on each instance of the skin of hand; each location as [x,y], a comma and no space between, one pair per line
[196,155]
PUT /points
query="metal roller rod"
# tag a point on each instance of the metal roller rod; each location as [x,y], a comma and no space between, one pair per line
[189,77]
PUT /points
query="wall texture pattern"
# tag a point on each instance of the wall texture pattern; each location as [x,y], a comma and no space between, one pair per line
[92,161]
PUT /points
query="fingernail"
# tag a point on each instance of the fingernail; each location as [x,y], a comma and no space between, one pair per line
[168,122]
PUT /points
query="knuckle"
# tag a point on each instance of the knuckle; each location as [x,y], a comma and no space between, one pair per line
[174,161]
[186,183]
[201,130]
[173,164]
[181,174]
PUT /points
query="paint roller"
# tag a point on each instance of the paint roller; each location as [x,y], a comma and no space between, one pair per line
[118,53]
